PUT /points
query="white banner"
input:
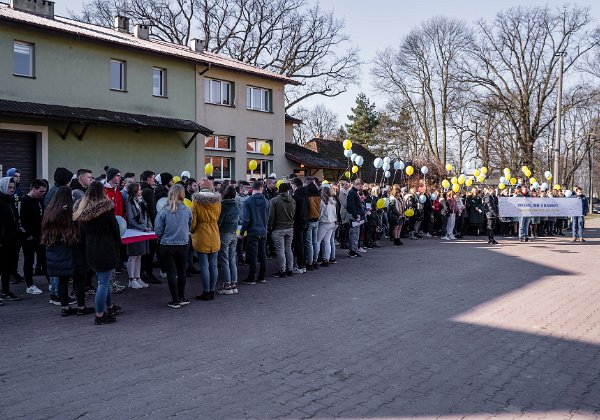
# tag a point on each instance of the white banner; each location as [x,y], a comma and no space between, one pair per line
[539,207]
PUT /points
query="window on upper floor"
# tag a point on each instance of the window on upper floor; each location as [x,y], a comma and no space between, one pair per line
[118,71]
[222,166]
[159,82]
[218,142]
[258,99]
[218,92]
[253,145]
[23,59]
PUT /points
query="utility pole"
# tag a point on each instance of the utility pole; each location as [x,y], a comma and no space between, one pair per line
[555,173]
[591,146]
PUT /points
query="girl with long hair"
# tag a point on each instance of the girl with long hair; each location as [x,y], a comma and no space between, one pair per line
[136,212]
[327,221]
[62,238]
[102,240]
[172,227]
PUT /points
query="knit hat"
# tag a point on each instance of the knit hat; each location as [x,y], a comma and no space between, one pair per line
[11,172]
[165,178]
[62,176]
[111,173]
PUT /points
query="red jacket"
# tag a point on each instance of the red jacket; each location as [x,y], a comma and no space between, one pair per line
[114,195]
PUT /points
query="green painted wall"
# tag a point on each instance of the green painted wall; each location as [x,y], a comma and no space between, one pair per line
[75,72]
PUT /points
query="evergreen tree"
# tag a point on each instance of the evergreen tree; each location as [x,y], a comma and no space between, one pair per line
[363,121]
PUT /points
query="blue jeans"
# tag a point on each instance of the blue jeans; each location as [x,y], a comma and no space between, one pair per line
[228,258]
[103,297]
[312,244]
[577,227]
[524,227]
[209,272]
[53,288]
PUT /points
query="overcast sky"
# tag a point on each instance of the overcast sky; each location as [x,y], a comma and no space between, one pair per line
[376,24]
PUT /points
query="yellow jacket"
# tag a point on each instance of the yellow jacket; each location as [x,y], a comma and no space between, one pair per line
[205,215]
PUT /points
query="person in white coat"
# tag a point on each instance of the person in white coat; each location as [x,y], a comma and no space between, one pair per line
[327,221]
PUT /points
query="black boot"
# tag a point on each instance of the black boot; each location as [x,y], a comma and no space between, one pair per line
[212,295]
[203,296]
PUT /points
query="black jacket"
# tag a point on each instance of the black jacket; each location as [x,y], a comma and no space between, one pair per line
[490,203]
[102,236]
[354,206]
[148,196]
[32,211]
[301,214]
[9,221]
[59,260]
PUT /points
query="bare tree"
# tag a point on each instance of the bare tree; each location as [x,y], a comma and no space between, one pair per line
[319,122]
[290,37]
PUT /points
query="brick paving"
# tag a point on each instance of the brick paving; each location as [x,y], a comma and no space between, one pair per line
[429,329]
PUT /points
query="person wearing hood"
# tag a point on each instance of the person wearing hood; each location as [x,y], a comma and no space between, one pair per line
[113,191]
[15,174]
[314,212]
[206,208]
[281,224]
[256,215]
[228,223]
[300,225]
[62,178]
[9,237]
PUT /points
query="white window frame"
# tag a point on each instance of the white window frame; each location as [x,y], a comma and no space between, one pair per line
[31,48]
[123,80]
[231,160]
[256,173]
[225,92]
[215,139]
[263,104]
[257,143]
[163,82]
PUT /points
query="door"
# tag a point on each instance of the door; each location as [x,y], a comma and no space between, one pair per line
[18,150]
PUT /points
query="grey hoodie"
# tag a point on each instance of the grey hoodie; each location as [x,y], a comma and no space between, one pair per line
[4,184]
[281,212]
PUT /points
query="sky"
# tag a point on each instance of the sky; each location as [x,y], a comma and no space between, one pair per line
[374,25]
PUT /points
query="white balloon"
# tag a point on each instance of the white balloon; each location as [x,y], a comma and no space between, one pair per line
[273,175]
[401,165]
[161,203]
[353,156]
[424,170]
[568,193]
[502,180]
[122,225]
[347,153]
[386,166]
[378,163]
[359,160]
[433,196]
[544,186]
[386,159]
[388,174]
[397,165]
[468,165]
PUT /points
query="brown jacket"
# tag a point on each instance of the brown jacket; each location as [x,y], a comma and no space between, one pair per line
[205,216]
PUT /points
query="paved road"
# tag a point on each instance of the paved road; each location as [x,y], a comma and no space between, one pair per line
[428,329]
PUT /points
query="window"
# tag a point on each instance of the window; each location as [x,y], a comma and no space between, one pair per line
[218,92]
[258,99]
[117,74]
[263,169]
[221,166]
[219,143]
[23,56]
[253,145]
[159,82]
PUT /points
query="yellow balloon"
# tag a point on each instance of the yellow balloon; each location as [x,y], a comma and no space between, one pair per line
[445,183]
[524,169]
[208,168]
[347,144]
[557,187]
[469,182]
[380,203]
[549,178]
[454,180]
[252,165]
[278,183]
[532,180]
[449,167]
[484,170]
[528,173]
[476,172]
[354,169]
[461,179]
[187,203]
[513,181]
[409,212]
[347,174]
[265,148]
[501,186]
[506,171]
[456,188]
[176,179]
[410,170]
[325,182]
[480,178]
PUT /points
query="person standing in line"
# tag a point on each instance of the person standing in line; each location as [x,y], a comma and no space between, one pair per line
[228,224]
[32,212]
[523,221]
[300,225]
[241,196]
[147,184]
[327,221]
[490,204]
[191,188]
[102,240]
[136,210]
[256,215]
[80,184]
[9,237]
[205,236]
[173,230]
[314,212]
[357,212]
[578,221]
[62,177]
[344,217]
[281,225]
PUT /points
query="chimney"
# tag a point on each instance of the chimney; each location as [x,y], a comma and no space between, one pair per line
[198,45]
[39,7]
[141,31]
[122,23]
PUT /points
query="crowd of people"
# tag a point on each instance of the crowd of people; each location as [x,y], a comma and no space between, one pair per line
[71,231]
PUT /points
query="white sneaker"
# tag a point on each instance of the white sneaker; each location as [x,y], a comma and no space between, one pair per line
[428,235]
[445,238]
[361,249]
[452,237]
[297,271]
[133,284]
[33,290]
[142,283]
[163,275]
